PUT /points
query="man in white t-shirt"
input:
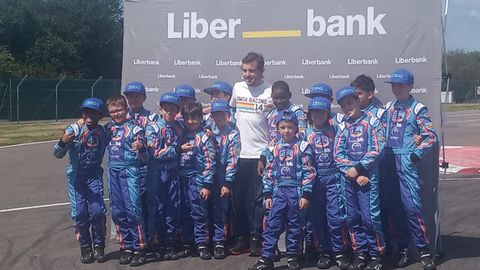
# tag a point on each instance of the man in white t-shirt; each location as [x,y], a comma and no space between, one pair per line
[252,101]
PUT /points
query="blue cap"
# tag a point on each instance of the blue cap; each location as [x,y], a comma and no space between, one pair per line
[185,91]
[345,91]
[401,76]
[222,86]
[319,89]
[94,104]
[134,87]
[320,103]
[220,106]
[286,115]
[170,98]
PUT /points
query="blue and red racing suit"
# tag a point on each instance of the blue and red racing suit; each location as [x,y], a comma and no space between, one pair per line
[197,169]
[288,177]
[85,181]
[359,145]
[228,151]
[124,182]
[328,197]
[163,144]
[273,135]
[405,119]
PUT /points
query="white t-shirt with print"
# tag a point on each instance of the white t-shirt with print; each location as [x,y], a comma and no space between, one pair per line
[252,106]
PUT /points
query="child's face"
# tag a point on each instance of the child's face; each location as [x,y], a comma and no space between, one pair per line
[288,130]
[169,111]
[364,97]
[193,123]
[218,95]
[91,117]
[185,101]
[350,106]
[281,98]
[318,117]
[220,118]
[135,101]
[118,113]
[401,91]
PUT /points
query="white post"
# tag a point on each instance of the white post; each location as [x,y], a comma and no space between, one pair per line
[99,78]
[56,97]
[18,98]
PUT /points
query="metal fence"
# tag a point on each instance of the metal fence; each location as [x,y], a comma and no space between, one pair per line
[464,90]
[39,99]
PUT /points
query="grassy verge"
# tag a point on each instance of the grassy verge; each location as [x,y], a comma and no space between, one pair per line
[13,133]
[462,107]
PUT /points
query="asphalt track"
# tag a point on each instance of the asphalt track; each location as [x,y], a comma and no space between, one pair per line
[42,237]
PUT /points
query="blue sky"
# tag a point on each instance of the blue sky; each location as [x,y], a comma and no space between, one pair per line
[463,25]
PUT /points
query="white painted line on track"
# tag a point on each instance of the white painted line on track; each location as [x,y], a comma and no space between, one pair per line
[37,207]
[462,115]
[26,144]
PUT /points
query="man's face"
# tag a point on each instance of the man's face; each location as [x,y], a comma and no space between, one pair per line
[364,97]
[91,117]
[218,95]
[288,130]
[135,101]
[193,123]
[281,98]
[350,106]
[251,75]
[319,117]
[220,118]
[118,113]
[169,111]
[401,91]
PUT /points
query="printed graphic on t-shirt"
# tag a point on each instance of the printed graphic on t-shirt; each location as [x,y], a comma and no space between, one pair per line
[251,105]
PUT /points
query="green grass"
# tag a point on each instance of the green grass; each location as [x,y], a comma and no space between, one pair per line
[462,107]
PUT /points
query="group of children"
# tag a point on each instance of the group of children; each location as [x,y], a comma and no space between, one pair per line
[171,175]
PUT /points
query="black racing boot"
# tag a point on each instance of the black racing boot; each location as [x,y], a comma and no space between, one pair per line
[203,252]
[86,254]
[376,263]
[186,250]
[219,250]
[263,264]
[426,259]
[170,254]
[255,246]
[341,260]
[324,261]
[292,263]
[403,258]
[240,247]
[359,262]
[139,258]
[126,256]
[99,254]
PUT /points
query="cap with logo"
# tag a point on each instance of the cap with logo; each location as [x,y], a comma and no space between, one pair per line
[185,91]
[94,104]
[222,86]
[320,103]
[171,98]
[344,92]
[319,89]
[134,87]
[220,106]
[286,115]
[401,76]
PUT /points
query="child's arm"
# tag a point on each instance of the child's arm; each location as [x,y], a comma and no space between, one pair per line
[232,160]
[308,170]
[427,132]
[268,178]
[206,156]
[139,144]
[376,142]
[340,152]
[60,149]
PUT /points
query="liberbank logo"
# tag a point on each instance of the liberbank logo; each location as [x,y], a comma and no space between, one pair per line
[193,26]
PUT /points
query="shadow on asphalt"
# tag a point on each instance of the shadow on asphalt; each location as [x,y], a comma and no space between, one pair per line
[460,247]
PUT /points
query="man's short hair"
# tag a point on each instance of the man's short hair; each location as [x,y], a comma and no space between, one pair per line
[194,110]
[253,56]
[117,100]
[364,82]
[281,85]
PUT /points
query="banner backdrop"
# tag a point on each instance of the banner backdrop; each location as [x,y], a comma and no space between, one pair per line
[168,43]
